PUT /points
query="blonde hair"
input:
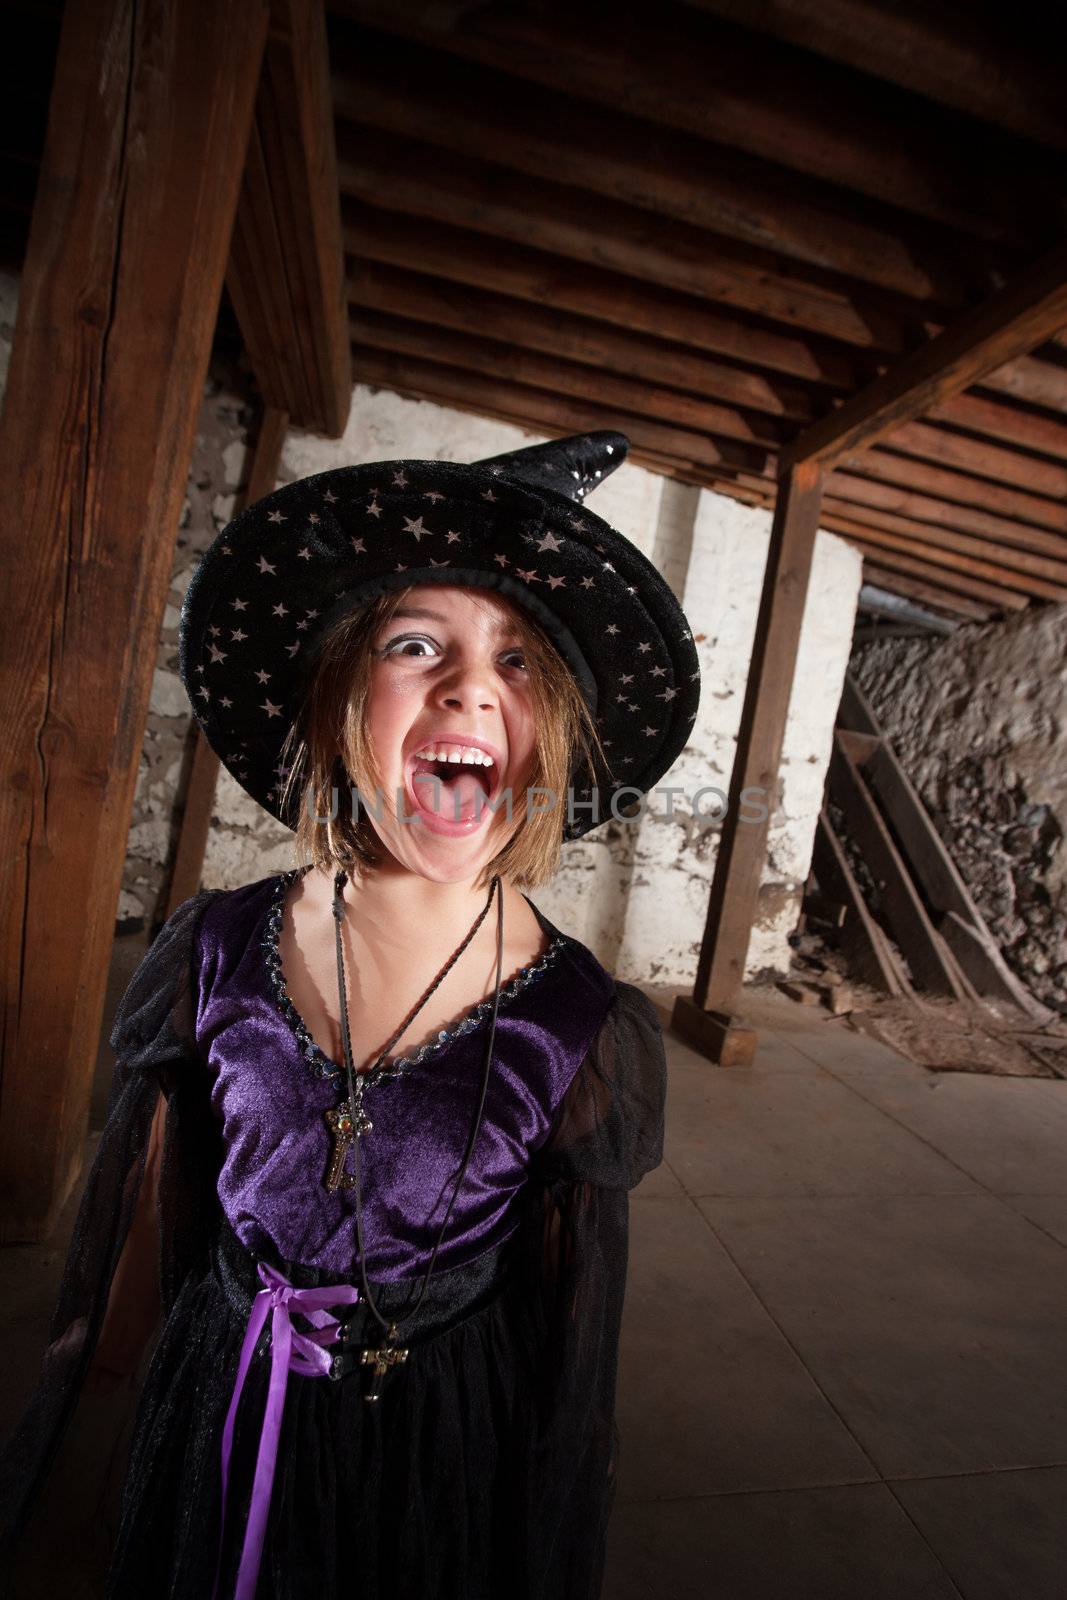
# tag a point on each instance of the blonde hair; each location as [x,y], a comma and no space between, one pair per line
[330,750]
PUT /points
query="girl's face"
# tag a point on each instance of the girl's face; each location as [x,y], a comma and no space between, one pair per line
[450,722]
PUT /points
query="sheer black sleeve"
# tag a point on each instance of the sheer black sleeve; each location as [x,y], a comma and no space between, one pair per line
[150,1185]
[607,1134]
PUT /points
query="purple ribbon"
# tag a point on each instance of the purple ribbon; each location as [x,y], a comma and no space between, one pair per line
[291,1351]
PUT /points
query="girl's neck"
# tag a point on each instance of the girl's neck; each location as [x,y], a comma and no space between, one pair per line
[387,907]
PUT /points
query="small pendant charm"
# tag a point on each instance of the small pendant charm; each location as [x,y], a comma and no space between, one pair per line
[339,1121]
[380,1361]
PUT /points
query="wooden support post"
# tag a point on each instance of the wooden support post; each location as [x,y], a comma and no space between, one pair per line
[1029,309]
[188,866]
[286,276]
[705,1019]
[148,123]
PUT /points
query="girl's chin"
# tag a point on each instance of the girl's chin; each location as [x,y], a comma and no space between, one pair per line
[443,857]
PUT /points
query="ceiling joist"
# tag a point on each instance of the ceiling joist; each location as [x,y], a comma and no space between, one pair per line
[755,241]
[286,271]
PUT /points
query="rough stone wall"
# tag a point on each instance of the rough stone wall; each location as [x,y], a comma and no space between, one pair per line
[9,298]
[979,721]
[635,891]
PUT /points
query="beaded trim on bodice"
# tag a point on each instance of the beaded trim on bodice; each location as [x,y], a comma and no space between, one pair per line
[316,1058]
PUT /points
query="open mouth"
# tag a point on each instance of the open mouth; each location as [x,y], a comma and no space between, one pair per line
[449,791]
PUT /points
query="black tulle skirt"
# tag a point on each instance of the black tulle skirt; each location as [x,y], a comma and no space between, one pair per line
[424,1494]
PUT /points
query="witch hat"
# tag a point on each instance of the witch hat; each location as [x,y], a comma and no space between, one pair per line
[280,574]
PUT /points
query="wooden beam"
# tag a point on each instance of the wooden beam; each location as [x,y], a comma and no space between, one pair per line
[400,174]
[871,957]
[498,360]
[1028,378]
[1017,569]
[465,255]
[920,508]
[148,123]
[1028,311]
[958,920]
[743,844]
[992,69]
[459,254]
[930,962]
[911,566]
[408,90]
[772,102]
[1011,424]
[545,328]
[965,487]
[928,594]
[286,274]
[955,488]
[902,574]
[856,496]
[995,579]
[930,545]
[533,407]
[188,865]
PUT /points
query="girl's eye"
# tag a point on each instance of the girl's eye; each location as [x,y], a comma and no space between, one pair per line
[419,647]
[407,644]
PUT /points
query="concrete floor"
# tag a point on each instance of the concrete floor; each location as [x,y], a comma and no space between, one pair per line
[843,1372]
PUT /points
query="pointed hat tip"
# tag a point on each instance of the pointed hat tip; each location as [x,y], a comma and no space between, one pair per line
[572,466]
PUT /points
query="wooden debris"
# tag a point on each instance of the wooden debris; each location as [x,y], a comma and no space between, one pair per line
[807,994]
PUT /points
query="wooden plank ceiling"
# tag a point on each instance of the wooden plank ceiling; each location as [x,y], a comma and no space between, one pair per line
[708,224]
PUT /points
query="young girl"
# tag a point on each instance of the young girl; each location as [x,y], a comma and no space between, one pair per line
[374,1120]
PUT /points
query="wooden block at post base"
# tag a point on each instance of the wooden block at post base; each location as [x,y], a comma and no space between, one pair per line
[714,1034]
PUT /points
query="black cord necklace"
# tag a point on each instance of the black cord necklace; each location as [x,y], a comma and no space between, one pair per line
[388,1353]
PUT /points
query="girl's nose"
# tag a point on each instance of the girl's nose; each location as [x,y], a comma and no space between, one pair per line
[470,685]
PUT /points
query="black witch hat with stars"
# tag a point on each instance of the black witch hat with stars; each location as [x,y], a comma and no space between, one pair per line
[284,570]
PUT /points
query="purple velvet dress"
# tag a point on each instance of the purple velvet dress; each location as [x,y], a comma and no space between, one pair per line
[487,1468]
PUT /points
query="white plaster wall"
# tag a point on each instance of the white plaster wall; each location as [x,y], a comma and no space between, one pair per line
[674,858]
[636,892]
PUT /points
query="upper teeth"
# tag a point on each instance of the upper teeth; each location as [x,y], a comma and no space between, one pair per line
[454,752]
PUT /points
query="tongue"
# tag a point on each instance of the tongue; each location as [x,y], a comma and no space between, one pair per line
[454,796]
[463,790]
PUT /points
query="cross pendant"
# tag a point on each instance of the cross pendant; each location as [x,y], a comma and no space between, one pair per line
[381,1360]
[339,1121]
